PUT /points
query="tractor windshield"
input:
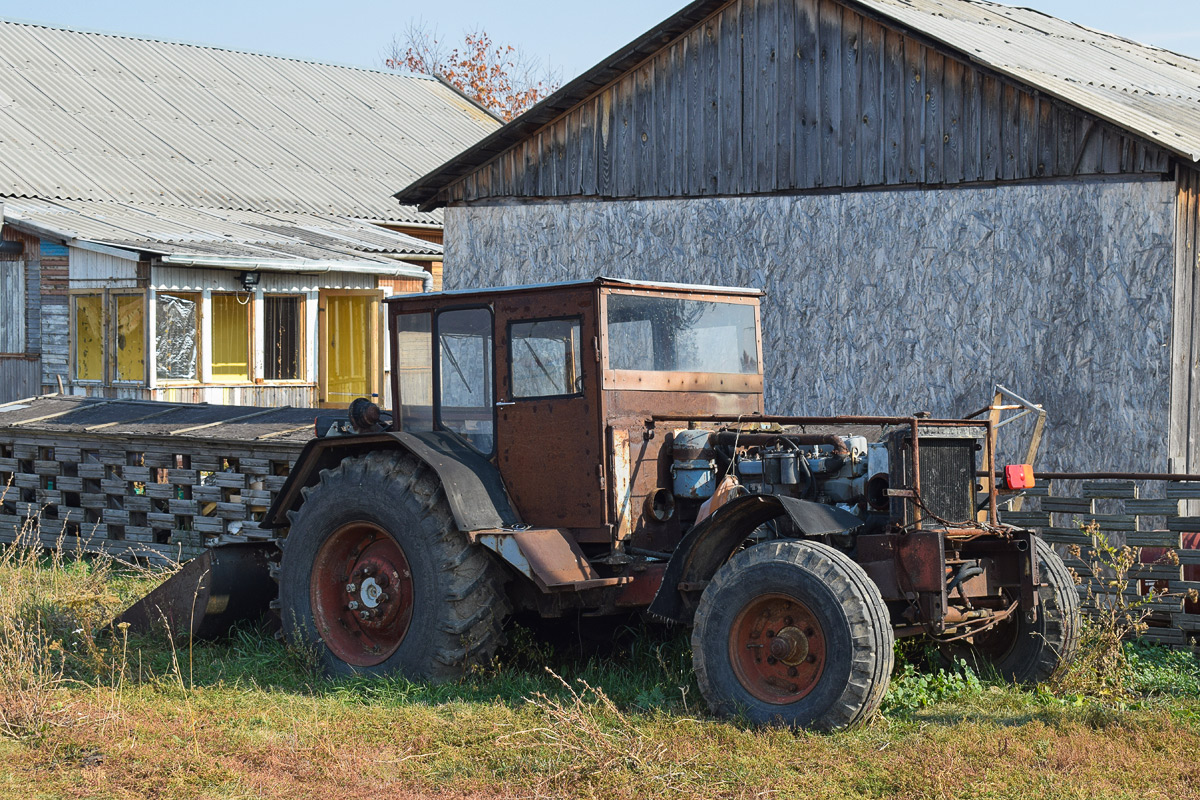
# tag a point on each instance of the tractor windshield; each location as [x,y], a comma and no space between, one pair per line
[669,334]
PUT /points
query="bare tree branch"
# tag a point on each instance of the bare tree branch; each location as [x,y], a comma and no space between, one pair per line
[497,76]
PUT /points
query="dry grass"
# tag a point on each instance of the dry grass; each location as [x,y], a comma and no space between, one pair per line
[89,714]
[53,606]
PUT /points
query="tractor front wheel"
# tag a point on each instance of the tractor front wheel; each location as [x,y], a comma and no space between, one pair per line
[1021,651]
[793,633]
[376,579]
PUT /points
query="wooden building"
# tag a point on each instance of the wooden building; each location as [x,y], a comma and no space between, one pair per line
[937,195]
[193,224]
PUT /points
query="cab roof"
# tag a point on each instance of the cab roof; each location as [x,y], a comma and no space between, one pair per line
[622,283]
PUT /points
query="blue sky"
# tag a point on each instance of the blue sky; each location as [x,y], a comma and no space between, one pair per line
[569,35]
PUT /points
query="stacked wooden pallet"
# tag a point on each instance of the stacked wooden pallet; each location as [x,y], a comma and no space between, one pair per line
[1150,516]
[149,479]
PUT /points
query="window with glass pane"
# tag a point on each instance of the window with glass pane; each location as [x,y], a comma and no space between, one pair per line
[465,370]
[88,341]
[413,362]
[664,334]
[545,357]
[176,327]
[130,311]
[230,337]
[281,338]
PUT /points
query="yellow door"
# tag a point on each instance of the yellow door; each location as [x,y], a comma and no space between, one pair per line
[351,348]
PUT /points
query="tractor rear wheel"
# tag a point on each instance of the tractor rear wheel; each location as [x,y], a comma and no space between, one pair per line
[376,579]
[793,633]
[1027,652]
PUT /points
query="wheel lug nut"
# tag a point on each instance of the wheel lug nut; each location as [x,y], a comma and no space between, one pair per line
[352,605]
[770,659]
[770,634]
[383,598]
[365,614]
[793,672]
[811,659]
[351,588]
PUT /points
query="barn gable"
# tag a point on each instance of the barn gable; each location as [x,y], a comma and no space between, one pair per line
[764,96]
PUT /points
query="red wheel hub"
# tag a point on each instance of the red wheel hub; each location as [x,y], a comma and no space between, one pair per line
[777,648]
[362,594]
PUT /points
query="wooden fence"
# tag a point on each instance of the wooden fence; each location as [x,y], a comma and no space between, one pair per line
[1147,515]
[146,479]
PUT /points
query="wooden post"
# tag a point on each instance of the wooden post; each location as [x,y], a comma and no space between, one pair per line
[206,338]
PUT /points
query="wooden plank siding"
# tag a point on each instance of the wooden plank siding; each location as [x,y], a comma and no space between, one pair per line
[1184,434]
[790,95]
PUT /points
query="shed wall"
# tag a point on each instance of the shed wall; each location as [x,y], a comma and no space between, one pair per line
[902,300]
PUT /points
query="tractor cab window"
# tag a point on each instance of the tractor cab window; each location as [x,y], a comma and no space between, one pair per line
[413,367]
[668,334]
[465,404]
[545,358]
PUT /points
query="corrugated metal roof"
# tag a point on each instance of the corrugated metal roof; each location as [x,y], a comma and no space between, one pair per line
[100,117]
[183,231]
[1148,91]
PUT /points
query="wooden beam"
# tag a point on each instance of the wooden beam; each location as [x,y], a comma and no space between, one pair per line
[229,421]
[45,417]
[104,425]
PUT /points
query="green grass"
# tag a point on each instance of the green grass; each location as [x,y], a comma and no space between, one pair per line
[247,717]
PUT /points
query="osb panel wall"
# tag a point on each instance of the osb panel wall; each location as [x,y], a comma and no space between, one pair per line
[896,301]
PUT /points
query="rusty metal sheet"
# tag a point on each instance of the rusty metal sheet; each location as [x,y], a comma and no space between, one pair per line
[549,557]
[551,450]
[225,585]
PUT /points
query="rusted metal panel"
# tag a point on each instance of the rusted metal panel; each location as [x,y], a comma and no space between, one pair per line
[222,586]
[548,556]
[621,470]
[550,450]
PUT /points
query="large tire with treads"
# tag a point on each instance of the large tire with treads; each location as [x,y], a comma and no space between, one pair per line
[376,579]
[793,633]
[1027,652]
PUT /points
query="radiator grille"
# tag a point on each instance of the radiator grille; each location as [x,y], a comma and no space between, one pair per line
[947,478]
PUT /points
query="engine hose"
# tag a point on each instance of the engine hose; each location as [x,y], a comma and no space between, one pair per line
[967,571]
[810,483]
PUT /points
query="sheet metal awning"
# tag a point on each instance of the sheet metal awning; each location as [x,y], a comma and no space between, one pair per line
[224,239]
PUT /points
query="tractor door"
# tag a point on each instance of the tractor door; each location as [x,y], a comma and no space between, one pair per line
[549,438]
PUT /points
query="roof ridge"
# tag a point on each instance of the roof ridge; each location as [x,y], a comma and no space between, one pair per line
[203,46]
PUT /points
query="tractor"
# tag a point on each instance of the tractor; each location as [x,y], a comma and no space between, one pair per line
[600,447]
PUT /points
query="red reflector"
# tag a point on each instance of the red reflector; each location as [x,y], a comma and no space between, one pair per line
[1018,476]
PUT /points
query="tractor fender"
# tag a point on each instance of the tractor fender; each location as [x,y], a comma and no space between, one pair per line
[710,544]
[472,484]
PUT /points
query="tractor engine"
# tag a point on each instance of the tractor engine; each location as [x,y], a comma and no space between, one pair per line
[844,470]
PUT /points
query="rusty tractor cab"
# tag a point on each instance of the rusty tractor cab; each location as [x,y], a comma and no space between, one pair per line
[601,446]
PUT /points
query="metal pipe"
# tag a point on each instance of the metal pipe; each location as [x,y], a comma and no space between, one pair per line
[993,511]
[758,438]
[1105,476]
[916,476]
[842,420]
